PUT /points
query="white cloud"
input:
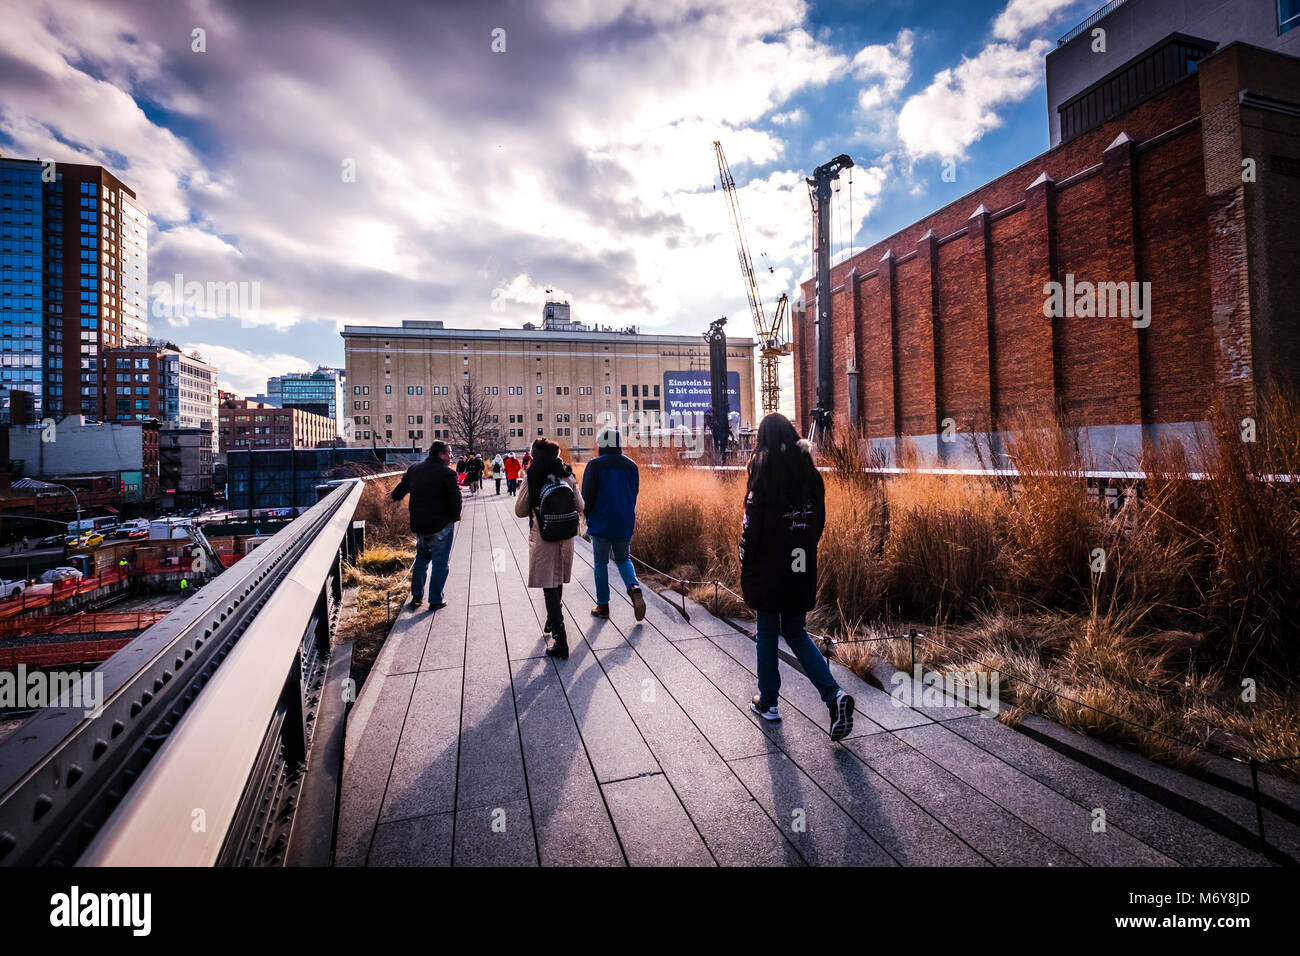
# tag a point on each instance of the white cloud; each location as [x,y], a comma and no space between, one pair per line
[245,372]
[959,106]
[580,160]
[886,68]
[1021,16]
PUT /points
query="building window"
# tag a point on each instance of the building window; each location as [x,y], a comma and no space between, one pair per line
[1288,15]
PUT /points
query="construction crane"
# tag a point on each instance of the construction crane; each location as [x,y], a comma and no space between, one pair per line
[773,336]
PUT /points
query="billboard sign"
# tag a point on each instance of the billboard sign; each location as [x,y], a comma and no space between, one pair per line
[690,392]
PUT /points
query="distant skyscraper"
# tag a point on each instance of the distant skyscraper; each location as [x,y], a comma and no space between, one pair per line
[73,281]
[320,392]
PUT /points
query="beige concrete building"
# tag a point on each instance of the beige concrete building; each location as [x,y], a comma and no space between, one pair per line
[562,380]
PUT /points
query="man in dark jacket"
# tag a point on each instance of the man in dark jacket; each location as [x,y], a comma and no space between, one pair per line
[610,484]
[435,509]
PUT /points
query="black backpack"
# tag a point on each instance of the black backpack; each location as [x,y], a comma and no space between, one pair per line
[557,510]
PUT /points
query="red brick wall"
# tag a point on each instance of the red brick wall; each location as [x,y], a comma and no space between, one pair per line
[952,325]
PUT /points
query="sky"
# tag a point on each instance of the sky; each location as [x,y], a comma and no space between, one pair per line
[368,163]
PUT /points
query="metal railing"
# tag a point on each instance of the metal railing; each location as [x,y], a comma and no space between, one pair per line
[1093,18]
[208,723]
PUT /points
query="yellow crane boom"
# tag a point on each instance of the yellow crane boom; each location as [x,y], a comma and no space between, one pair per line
[772,335]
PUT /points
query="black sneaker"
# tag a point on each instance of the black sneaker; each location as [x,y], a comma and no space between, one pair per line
[841,709]
[767,713]
[559,648]
[437,607]
[416,600]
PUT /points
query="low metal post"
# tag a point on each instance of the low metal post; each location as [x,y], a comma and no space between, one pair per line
[912,635]
[1259,810]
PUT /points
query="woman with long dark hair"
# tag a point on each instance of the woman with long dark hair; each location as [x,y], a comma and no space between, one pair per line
[785,512]
[550,562]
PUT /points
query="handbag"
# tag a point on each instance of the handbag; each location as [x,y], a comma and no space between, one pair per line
[460,479]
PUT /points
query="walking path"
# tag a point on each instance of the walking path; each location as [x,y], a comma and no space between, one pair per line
[469,746]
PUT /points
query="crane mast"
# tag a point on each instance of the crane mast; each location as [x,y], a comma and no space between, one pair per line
[773,341]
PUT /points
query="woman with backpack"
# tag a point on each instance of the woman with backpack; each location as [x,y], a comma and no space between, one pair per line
[550,500]
[498,468]
[785,513]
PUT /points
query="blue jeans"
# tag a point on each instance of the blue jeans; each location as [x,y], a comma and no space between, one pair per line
[600,548]
[790,626]
[431,549]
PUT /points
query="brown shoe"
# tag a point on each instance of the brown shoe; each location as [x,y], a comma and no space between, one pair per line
[638,603]
[600,610]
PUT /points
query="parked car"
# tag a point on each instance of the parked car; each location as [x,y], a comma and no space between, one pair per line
[51,541]
[91,540]
[54,575]
[12,589]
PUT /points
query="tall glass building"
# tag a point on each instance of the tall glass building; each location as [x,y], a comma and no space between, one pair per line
[30,276]
[320,392]
[73,281]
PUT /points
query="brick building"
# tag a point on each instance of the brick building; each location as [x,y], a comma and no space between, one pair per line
[244,425]
[147,381]
[1195,190]
[185,466]
[564,380]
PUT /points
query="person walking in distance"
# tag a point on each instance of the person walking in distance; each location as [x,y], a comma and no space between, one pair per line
[489,473]
[498,470]
[550,500]
[610,484]
[435,509]
[512,468]
[785,513]
[475,479]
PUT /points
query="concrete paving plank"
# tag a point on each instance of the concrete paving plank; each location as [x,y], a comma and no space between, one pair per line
[423,776]
[733,825]
[500,835]
[573,827]
[652,824]
[418,841]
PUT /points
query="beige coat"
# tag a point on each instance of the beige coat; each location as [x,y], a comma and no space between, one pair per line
[550,563]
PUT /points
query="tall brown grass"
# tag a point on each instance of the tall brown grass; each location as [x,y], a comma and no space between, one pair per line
[1156,603]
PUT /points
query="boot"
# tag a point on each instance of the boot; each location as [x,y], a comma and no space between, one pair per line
[559,648]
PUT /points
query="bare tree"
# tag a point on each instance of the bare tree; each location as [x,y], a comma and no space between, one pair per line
[470,417]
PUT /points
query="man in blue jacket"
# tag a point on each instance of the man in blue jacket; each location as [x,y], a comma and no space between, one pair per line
[609,488]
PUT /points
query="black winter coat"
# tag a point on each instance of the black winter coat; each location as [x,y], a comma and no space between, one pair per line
[778,552]
[435,495]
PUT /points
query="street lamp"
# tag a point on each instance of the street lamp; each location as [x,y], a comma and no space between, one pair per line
[75,501]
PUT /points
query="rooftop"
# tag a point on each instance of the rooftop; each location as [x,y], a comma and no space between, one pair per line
[430,329]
